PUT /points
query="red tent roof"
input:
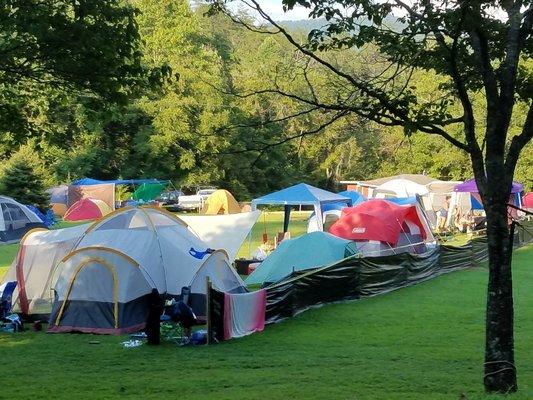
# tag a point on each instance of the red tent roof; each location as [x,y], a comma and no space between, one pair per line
[376,219]
[86,209]
[527,200]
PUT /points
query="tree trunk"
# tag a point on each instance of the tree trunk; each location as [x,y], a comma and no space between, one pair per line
[500,371]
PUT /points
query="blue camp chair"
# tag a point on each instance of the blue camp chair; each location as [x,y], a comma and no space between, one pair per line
[6,295]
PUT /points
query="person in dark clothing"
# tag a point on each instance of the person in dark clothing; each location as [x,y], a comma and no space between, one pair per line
[155,309]
[185,315]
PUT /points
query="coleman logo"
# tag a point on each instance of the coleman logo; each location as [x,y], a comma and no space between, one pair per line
[358,230]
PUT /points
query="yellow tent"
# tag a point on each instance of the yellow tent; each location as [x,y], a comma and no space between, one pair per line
[221,202]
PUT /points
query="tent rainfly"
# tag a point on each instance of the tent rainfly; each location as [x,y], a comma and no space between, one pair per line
[301,194]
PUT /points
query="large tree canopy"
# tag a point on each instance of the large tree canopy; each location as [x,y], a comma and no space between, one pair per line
[479,53]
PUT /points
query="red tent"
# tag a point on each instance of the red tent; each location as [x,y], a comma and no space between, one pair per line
[378,219]
[87,209]
[527,201]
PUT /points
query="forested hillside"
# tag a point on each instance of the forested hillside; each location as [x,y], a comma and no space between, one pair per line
[202,125]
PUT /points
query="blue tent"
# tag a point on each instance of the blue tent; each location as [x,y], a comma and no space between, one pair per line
[91,181]
[402,201]
[301,194]
[356,197]
[313,250]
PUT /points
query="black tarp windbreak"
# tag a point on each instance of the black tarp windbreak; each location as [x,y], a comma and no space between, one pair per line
[354,278]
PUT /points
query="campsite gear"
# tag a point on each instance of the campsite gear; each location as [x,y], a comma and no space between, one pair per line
[6,296]
[12,323]
[221,202]
[16,220]
[311,250]
[199,337]
[86,210]
[301,194]
[380,227]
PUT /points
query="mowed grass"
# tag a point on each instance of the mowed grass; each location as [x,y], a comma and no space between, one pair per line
[421,342]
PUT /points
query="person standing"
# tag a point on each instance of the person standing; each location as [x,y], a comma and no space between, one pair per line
[155,309]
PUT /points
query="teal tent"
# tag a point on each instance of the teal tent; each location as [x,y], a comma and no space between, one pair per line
[309,251]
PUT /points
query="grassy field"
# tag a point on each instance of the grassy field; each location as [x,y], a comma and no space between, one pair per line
[422,342]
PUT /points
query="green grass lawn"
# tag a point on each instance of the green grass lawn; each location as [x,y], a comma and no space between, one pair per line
[421,342]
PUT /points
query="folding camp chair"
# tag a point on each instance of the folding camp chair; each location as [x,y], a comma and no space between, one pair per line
[6,295]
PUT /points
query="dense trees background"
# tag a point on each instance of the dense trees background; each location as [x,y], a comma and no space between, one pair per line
[193,129]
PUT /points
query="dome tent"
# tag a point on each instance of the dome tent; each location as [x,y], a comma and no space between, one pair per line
[221,202]
[380,227]
[312,250]
[16,220]
[87,209]
[168,254]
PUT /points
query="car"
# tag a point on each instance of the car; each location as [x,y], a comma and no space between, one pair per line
[170,200]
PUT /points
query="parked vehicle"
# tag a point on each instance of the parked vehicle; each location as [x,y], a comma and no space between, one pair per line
[170,200]
[195,201]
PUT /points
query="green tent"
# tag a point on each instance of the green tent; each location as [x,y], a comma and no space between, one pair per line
[148,191]
[311,250]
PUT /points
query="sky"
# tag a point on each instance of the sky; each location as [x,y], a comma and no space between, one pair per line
[274,8]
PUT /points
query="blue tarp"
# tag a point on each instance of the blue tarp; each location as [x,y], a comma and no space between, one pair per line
[312,250]
[91,181]
[301,194]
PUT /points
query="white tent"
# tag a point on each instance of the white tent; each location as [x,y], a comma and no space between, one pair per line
[39,252]
[169,255]
[16,220]
[226,232]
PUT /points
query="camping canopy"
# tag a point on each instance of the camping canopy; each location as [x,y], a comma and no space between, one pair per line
[148,191]
[311,250]
[471,187]
[301,194]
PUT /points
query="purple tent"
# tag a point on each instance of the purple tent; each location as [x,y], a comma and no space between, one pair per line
[470,186]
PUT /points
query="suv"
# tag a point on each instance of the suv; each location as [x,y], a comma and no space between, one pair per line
[170,200]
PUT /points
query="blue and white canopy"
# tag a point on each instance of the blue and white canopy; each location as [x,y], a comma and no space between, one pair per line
[301,194]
